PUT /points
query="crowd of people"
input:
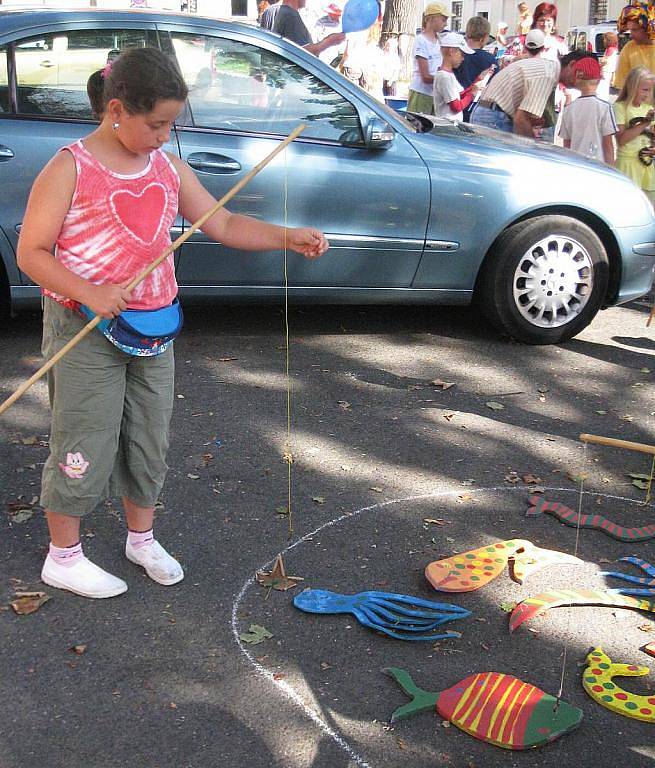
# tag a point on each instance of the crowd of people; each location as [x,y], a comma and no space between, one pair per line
[521,80]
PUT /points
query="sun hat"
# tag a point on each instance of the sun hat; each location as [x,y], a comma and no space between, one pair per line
[535,39]
[435,9]
[453,40]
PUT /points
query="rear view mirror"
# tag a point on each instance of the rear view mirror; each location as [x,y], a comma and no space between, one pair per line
[378,134]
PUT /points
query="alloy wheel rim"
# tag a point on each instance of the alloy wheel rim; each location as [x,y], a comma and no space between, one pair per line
[553,281]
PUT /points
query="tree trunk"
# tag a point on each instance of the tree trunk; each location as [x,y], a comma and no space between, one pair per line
[401,18]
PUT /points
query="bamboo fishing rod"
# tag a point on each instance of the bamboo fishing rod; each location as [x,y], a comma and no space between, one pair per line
[139,278]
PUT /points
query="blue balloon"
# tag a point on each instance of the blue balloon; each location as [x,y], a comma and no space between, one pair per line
[359,15]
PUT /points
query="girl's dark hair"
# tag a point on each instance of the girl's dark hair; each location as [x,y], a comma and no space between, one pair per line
[140,77]
[95,87]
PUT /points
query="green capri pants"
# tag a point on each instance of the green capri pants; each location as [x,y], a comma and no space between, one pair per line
[111,414]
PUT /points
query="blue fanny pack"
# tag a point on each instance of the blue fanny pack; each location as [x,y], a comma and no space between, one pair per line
[142,332]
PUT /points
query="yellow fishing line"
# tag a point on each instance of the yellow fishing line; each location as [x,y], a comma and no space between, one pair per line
[289,455]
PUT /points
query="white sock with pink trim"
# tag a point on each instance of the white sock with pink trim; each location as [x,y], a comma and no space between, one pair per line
[140,539]
[66,556]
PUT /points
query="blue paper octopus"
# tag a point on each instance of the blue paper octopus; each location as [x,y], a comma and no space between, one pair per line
[399,616]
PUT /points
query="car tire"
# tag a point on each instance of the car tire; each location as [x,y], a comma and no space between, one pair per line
[544,279]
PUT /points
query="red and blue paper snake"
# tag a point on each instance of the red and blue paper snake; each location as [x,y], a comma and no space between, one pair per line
[539,505]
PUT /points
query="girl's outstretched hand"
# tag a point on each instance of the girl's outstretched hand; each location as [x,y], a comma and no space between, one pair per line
[310,242]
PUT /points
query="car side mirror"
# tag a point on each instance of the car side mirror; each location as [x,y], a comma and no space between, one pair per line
[378,134]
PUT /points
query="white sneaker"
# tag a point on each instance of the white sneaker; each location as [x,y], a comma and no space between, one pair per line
[158,564]
[84,578]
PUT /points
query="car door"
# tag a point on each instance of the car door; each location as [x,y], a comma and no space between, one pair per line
[248,92]
[46,106]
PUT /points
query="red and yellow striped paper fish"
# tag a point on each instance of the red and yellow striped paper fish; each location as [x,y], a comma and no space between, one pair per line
[493,707]
[533,606]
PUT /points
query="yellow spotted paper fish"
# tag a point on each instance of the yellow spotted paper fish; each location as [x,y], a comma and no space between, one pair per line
[476,568]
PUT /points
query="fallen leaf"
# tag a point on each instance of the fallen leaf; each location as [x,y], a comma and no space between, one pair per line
[646,627]
[433,521]
[78,649]
[277,577]
[442,385]
[402,744]
[469,481]
[601,412]
[191,476]
[641,484]
[445,724]
[508,607]
[495,406]
[31,440]
[638,476]
[346,468]
[319,499]
[282,511]
[375,488]
[576,478]
[530,479]
[463,497]
[512,477]
[537,489]
[28,602]
[256,634]
[485,646]
[449,416]
[543,390]
[278,676]
[325,665]
[344,404]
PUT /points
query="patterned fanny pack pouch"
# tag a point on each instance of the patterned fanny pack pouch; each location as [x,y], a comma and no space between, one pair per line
[142,332]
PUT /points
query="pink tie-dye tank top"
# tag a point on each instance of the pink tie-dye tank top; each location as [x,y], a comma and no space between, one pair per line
[118,224]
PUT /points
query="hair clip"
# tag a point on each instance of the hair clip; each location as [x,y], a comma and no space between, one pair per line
[107,70]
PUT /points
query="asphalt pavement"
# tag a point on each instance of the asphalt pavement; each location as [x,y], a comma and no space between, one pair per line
[391,470]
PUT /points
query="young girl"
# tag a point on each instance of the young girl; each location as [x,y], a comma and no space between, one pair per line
[426,58]
[104,206]
[634,114]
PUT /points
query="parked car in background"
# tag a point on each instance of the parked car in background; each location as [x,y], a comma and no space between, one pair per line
[589,37]
[417,210]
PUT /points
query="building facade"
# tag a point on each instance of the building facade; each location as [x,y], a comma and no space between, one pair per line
[570,13]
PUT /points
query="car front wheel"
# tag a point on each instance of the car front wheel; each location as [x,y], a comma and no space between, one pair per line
[544,280]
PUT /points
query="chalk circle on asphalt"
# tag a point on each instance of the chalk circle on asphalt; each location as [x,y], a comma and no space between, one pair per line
[343,637]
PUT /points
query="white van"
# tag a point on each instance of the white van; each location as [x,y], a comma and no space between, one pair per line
[590,37]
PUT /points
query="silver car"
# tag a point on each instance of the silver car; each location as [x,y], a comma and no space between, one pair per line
[416,210]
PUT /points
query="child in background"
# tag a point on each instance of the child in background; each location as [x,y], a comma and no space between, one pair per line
[449,99]
[426,58]
[634,113]
[104,207]
[588,124]
[479,65]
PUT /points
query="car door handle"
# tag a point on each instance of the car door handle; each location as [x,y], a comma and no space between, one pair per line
[5,153]
[210,163]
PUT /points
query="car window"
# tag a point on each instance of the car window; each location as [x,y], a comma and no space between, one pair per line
[52,70]
[581,42]
[600,42]
[235,86]
[4,81]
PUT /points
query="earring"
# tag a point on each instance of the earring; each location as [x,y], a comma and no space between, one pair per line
[115,126]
